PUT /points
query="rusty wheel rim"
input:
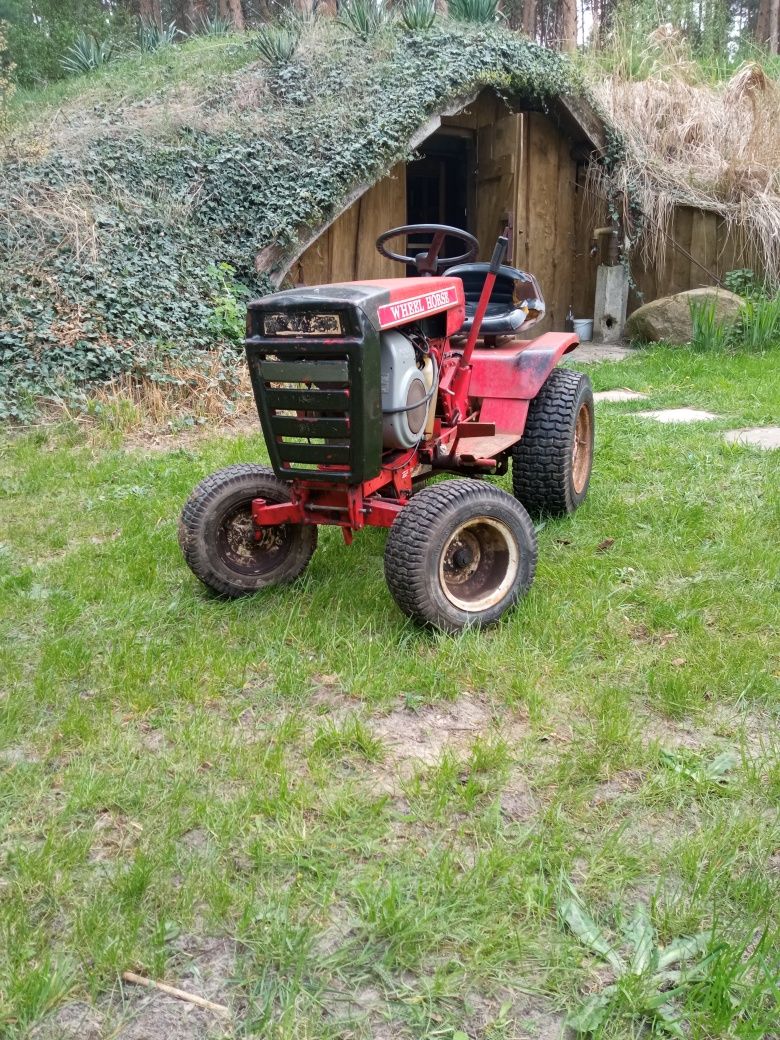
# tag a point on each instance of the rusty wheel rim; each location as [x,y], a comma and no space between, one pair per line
[247,550]
[479,564]
[582,452]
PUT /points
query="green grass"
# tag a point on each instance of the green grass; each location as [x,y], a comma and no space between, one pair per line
[172,765]
[199,62]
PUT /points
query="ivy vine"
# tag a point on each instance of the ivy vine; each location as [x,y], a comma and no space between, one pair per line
[166,216]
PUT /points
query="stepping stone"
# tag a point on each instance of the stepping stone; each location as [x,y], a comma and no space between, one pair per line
[619,395]
[592,353]
[678,415]
[766,437]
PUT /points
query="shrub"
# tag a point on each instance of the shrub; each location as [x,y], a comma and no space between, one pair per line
[40,32]
[86,54]
[153,37]
[364,17]
[277,44]
[480,11]
[744,282]
[418,14]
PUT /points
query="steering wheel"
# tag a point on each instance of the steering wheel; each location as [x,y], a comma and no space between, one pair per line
[428,263]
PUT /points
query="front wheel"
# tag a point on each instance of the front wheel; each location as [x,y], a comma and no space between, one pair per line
[552,463]
[220,542]
[459,554]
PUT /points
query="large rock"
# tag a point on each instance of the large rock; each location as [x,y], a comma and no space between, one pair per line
[670,317]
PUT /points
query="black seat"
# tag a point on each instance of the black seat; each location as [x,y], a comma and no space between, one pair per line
[516,302]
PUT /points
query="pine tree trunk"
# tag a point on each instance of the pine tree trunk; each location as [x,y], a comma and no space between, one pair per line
[568,25]
[529,18]
[768,25]
[148,11]
[231,10]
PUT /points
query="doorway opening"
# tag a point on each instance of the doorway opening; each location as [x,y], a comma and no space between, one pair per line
[440,186]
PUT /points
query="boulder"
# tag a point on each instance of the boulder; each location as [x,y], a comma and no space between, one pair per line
[670,317]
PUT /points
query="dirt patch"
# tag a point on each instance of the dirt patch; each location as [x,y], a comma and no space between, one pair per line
[414,739]
[517,801]
[420,737]
[519,1015]
[73,1021]
[204,966]
[160,439]
[617,785]
[114,836]
[18,756]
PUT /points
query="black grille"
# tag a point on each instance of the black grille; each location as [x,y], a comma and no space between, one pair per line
[318,402]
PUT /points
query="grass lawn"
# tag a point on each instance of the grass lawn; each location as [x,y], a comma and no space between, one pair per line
[342,826]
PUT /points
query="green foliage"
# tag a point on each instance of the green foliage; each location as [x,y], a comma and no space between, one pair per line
[756,329]
[418,15]
[40,33]
[708,332]
[228,321]
[744,282]
[153,37]
[364,17]
[6,86]
[650,979]
[165,211]
[85,54]
[758,326]
[673,39]
[482,12]
[214,25]
[277,43]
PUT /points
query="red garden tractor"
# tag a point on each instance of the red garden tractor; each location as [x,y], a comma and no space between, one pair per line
[365,391]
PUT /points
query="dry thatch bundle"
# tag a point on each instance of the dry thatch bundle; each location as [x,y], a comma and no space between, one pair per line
[713,148]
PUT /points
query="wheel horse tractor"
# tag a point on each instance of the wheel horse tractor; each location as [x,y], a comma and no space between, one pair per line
[367,389]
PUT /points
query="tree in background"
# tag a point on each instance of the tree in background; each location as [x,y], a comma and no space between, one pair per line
[768,25]
[6,71]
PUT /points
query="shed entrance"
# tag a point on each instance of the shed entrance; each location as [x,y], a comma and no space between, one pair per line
[440,186]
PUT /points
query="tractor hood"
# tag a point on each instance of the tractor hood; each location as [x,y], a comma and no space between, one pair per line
[385,304]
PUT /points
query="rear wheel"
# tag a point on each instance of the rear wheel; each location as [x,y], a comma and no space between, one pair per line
[220,542]
[551,465]
[459,554]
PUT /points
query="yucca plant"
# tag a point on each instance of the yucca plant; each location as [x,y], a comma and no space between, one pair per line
[215,26]
[153,37]
[277,43]
[85,54]
[480,11]
[364,17]
[418,14]
[649,978]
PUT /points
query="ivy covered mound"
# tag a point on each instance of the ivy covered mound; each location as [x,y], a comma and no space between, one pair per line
[114,241]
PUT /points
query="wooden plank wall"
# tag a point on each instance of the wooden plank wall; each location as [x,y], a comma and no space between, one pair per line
[523,171]
[347,250]
[546,215]
[705,237]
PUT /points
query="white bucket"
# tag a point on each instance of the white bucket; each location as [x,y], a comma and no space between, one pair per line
[584,329]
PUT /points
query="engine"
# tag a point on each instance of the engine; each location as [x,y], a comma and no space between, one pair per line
[409,380]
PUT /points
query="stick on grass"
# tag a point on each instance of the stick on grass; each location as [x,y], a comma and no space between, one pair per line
[172,991]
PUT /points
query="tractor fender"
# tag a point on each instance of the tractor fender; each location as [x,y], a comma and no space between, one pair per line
[518,373]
